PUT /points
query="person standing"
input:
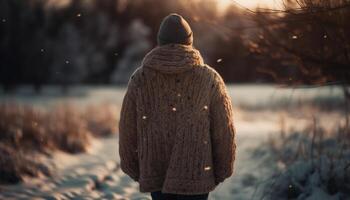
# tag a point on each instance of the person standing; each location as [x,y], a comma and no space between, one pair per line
[176,130]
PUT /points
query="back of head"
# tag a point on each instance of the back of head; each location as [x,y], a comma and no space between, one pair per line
[174,29]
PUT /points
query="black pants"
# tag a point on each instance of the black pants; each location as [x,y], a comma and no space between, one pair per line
[165,196]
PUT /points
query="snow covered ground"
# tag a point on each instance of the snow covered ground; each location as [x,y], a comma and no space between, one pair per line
[96,174]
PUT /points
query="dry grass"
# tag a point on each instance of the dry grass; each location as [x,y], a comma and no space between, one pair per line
[313,158]
[311,143]
[25,130]
[101,120]
[15,164]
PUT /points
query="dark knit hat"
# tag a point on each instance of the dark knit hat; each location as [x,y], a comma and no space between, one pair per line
[175,29]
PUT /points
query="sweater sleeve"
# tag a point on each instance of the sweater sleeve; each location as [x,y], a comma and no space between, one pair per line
[222,131]
[129,163]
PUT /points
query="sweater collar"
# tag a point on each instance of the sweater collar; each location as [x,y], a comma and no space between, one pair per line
[173,58]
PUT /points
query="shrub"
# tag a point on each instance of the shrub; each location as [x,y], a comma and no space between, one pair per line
[14,165]
[25,130]
[312,164]
[102,120]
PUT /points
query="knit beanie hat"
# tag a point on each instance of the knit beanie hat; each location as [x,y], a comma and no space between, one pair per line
[175,29]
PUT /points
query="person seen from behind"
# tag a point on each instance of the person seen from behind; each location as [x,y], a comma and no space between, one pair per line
[176,130]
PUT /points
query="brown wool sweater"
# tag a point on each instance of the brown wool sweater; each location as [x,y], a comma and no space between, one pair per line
[176,131]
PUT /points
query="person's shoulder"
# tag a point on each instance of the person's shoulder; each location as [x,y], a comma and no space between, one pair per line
[211,73]
[137,73]
[211,70]
[135,77]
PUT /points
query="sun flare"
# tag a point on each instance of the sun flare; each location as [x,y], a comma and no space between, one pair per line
[251,4]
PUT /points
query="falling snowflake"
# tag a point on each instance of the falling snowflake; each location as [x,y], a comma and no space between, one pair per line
[79,15]
[294,37]
[219,60]
[42,50]
[3,20]
[67,62]
[325,36]
[34,124]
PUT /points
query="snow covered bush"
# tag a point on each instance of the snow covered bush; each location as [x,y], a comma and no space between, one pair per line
[69,64]
[312,165]
[26,132]
[138,46]
[15,164]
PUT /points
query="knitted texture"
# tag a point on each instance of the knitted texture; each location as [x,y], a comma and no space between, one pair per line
[176,131]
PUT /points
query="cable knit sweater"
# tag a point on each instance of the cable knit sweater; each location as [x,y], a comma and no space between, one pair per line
[176,131]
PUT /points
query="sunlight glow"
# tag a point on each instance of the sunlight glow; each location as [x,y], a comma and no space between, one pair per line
[251,4]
